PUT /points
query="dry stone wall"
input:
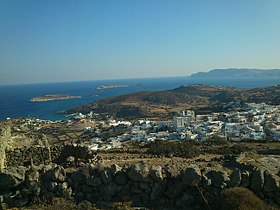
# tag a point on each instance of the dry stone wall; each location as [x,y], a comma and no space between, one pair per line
[5,144]
[153,187]
[44,155]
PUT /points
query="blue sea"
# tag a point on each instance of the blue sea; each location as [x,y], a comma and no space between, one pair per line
[15,99]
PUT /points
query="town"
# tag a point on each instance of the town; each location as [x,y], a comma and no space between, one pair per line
[252,122]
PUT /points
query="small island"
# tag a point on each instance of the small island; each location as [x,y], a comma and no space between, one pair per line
[110,86]
[53,97]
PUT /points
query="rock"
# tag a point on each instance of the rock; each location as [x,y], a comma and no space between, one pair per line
[115,169]
[271,182]
[58,174]
[219,179]
[172,171]
[94,182]
[11,178]
[81,176]
[174,188]
[144,186]
[184,201]
[4,206]
[205,181]
[191,176]
[158,190]
[156,173]
[136,198]
[52,186]
[257,180]
[66,193]
[106,176]
[136,188]
[235,178]
[108,191]
[80,196]
[86,189]
[32,176]
[70,161]
[245,179]
[121,178]
[62,186]
[138,172]
[21,202]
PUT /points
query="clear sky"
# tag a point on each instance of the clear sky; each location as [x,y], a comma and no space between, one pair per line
[74,40]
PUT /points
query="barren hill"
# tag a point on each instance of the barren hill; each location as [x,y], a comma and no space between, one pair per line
[164,104]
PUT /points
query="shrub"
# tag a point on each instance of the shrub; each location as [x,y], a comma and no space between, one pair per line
[238,198]
[217,140]
[173,148]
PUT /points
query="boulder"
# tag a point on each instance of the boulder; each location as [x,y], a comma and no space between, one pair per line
[245,179]
[138,172]
[32,176]
[174,188]
[81,176]
[271,182]
[235,178]
[158,190]
[156,173]
[184,201]
[191,176]
[120,178]
[94,182]
[58,174]
[172,171]
[106,176]
[11,178]
[109,191]
[219,179]
[257,180]
[115,169]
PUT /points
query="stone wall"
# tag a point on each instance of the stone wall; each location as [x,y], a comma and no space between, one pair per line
[5,143]
[153,187]
[44,155]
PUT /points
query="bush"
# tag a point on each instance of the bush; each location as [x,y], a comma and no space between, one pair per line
[185,149]
[238,198]
[217,140]
[232,150]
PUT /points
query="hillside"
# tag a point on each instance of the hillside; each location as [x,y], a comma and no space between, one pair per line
[234,72]
[165,104]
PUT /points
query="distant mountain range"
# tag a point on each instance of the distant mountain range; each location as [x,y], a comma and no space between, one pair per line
[234,72]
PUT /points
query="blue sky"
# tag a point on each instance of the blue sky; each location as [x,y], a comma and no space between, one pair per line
[71,40]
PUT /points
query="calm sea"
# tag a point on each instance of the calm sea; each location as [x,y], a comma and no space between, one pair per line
[15,99]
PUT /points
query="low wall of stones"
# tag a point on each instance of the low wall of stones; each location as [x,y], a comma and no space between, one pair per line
[44,155]
[153,187]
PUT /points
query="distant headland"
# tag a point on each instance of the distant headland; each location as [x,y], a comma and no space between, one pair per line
[237,73]
[53,97]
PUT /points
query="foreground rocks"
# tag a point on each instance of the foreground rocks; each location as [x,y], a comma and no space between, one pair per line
[149,186]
